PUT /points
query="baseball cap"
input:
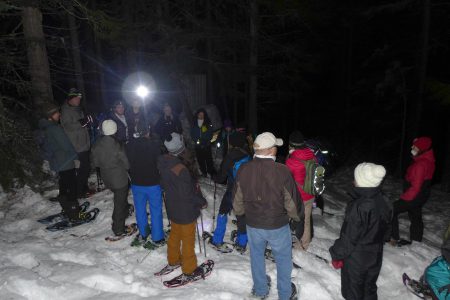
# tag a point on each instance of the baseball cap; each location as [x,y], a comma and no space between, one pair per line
[266,140]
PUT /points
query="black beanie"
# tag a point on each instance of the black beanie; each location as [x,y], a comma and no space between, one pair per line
[296,139]
[237,139]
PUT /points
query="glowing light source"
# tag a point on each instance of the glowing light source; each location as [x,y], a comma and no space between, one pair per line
[142,91]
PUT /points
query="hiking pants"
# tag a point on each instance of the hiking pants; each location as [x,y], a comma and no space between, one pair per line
[151,195]
[83,174]
[306,237]
[68,193]
[121,210]
[181,246]
[204,159]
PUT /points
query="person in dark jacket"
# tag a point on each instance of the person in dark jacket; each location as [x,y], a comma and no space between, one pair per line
[183,204]
[267,195]
[136,119]
[227,174]
[109,155]
[76,125]
[167,123]
[227,132]
[417,188]
[62,158]
[201,134]
[359,248]
[142,153]
[118,115]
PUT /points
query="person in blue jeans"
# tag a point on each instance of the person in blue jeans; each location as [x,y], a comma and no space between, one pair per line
[142,152]
[267,194]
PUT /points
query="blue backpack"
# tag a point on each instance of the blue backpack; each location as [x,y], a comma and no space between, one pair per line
[238,164]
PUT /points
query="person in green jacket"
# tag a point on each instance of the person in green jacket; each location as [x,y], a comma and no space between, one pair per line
[62,157]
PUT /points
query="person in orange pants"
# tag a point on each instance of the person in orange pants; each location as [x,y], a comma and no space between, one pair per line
[183,204]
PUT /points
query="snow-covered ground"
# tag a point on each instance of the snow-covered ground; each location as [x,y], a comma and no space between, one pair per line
[80,264]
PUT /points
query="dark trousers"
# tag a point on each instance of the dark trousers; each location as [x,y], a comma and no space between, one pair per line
[414,210]
[68,193]
[120,212]
[83,174]
[359,275]
[204,159]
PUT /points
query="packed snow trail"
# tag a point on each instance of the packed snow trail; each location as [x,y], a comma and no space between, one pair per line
[79,264]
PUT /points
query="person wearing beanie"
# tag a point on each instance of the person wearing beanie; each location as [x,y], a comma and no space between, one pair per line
[266,193]
[201,134]
[299,153]
[183,204]
[117,114]
[224,141]
[142,153]
[62,158]
[76,124]
[359,249]
[417,189]
[235,158]
[168,123]
[109,155]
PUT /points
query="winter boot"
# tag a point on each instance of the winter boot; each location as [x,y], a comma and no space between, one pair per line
[241,242]
[138,241]
[70,208]
[254,296]
[219,233]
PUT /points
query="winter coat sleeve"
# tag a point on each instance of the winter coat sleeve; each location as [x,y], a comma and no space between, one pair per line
[292,202]
[122,157]
[351,231]
[238,200]
[416,177]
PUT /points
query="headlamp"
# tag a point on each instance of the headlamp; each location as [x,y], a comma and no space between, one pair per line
[142,91]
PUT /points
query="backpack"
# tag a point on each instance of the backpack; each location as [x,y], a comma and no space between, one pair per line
[238,164]
[314,177]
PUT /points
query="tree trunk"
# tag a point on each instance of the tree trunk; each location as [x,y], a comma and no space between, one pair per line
[37,56]
[253,84]
[76,52]
[210,95]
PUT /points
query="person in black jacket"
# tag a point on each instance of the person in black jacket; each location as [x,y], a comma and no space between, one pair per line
[118,115]
[227,173]
[359,249]
[167,123]
[142,153]
[201,134]
[183,204]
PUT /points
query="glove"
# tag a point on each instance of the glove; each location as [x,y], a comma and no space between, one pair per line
[337,264]
[86,121]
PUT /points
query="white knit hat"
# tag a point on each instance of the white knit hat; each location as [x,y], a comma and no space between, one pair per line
[266,140]
[369,174]
[109,127]
[176,145]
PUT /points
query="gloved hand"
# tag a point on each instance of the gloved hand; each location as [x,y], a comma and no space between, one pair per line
[86,121]
[337,264]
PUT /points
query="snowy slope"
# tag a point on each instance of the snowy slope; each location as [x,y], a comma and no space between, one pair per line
[79,264]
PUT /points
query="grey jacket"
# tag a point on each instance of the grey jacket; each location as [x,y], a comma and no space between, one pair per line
[78,135]
[109,155]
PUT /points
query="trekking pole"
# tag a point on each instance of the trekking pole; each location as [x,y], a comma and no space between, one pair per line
[203,230]
[214,206]
[198,236]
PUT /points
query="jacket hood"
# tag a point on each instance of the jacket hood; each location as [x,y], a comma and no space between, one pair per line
[44,123]
[358,192]
[303,154]
[428,155]
[167,161]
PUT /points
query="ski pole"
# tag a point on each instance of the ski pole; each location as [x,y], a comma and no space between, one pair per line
[203,230]
[214,206]
[198,236]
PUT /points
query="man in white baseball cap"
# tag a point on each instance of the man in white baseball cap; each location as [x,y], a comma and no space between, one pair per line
[267,195]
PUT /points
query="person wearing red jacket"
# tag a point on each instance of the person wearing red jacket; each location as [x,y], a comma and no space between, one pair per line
[298,153]
[416,191]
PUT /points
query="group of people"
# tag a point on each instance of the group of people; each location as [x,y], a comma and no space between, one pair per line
[265,195]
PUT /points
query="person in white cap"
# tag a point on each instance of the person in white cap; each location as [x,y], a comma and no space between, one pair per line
[108,154]
[359,249]
[267,195]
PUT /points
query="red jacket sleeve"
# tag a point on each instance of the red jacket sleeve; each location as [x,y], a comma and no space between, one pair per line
[415,176]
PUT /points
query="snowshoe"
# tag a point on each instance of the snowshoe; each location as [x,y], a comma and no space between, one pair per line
[294,293]
[87,217]
[151,245]
[167,270]
[200,272]
[138,241]
[222,247]
[265,296]
[416,287]
[61,216]
[129,231]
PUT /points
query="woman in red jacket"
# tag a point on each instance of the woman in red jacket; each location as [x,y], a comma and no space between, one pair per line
[298,154]
[416,191]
